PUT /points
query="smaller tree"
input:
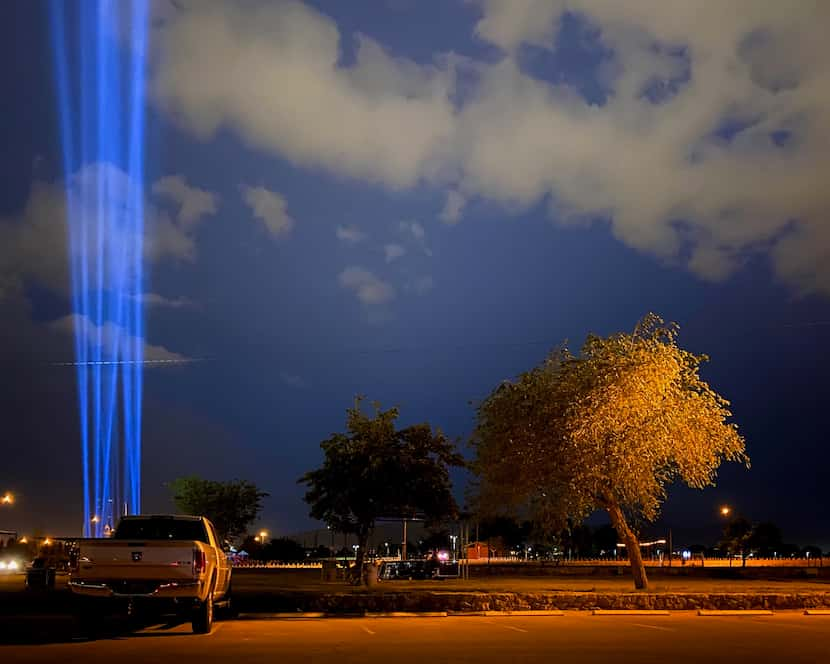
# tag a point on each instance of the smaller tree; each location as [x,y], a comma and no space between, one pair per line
[766,540]
[737,535]
[284,550]
[375,470]
[231,506]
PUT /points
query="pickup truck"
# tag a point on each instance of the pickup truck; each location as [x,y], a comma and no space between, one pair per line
[152,558]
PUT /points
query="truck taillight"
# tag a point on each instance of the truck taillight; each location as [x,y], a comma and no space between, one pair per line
[199,562]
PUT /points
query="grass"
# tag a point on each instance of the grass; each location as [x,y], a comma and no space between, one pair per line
[259,581]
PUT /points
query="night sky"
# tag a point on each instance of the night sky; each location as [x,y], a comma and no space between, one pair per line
[415,200]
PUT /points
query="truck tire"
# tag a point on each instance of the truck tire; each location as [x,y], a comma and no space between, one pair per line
[203,616]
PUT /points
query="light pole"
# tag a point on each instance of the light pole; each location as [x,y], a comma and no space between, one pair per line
[725,511]
[7,499]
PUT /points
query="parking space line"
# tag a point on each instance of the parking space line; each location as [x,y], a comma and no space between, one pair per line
[367,630]
[658,627]
[515,629]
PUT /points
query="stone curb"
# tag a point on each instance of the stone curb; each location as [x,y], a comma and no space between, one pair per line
[471,602]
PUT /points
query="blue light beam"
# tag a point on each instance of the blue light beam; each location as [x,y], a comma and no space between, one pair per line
[101,80]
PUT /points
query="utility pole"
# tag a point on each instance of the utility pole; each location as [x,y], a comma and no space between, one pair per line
[403,545]
[671,547]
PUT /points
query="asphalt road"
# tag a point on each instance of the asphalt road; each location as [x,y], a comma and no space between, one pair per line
[678,638]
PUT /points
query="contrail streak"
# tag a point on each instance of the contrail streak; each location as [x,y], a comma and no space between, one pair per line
[120,362]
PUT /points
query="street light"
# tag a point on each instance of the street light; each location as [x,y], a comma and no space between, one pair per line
[95,519]
[7,499]
[725,510]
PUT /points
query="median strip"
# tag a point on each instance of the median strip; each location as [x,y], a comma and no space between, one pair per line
[731,612]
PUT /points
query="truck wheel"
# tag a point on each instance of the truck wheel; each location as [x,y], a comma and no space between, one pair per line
[203,616]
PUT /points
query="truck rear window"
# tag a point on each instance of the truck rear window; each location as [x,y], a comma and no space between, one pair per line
[161,529]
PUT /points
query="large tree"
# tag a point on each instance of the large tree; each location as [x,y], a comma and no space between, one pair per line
[375,470]
[608,429]
[231,506]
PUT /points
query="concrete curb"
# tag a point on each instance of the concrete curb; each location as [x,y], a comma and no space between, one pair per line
[520,613]
[406,614]
[629,612]
[281,616]
[817,612]
[712,612]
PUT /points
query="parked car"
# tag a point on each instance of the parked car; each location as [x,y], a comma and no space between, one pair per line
[156,559]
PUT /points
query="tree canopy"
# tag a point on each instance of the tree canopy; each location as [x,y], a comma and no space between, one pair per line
[231,506]
[375,470]
[607,429]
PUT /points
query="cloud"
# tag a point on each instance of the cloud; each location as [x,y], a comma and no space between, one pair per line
[707,139]
[415,232]
[421,285]
[368,288]
[451,214]
[156,300]
[414,229]
[270,208]
[293,380]
[33,244]
[350,234]
[111,339]
[393,251]
[658,152]
[272,74]
[194,203]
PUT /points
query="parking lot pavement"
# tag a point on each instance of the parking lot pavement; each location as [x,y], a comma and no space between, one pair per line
[574,637]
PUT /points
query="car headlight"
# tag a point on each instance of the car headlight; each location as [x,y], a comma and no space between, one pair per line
[13,564]
[3,564]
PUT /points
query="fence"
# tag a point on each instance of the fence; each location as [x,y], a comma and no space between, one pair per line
[677,561]
[579,562]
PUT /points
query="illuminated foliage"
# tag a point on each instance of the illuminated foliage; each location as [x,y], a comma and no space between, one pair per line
[375,470]
[609,429]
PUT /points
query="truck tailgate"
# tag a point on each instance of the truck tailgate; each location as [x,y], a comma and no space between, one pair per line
[114,559]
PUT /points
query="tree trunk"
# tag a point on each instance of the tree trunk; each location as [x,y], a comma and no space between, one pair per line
[632,546]
[360,556]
